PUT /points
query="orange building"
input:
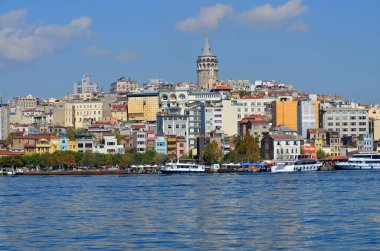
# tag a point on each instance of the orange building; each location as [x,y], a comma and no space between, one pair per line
[285,113]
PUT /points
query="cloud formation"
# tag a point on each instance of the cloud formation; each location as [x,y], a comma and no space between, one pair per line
[20,42]
[208,18]
[262,17]
[266,16]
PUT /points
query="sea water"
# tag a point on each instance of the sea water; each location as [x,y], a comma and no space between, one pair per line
[259,211]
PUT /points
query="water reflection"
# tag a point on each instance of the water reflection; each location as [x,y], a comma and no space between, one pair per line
[230,211]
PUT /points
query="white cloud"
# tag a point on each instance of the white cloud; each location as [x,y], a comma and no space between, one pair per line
[126,56]
[96,51]
[297,27]
[20,42]
[266,16]
[207,19]
[13,18]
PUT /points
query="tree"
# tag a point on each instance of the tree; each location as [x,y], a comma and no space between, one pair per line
[64,159]
[11,161]
[126,159]
[88,159]
[212,152]
[321,154]
[246,149]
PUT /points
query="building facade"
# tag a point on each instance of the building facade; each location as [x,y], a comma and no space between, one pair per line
[124,85]
[85,85]
[345,121]
[4,121]
[307,116]
[285,113]
[143,106]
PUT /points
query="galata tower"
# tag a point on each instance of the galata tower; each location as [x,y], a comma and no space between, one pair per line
[207,67]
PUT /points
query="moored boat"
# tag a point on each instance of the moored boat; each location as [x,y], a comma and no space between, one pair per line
[361,161]
[297,166]
[178,167]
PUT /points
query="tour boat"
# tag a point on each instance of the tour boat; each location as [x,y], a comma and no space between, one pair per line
[360,161]
[178,167]
[297,166]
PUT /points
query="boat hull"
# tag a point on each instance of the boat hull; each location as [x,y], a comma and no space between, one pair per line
[180,171]
[349,166]
[296,168]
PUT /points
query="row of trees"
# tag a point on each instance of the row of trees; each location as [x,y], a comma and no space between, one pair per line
[246,149]
[74,159]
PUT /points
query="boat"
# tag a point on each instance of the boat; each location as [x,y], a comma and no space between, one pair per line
[178,167]
[297,166]
[360,161]
[19,171]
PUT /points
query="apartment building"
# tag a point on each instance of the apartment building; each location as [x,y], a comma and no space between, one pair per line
[124,85]
[4,121]
[75,113]
[143,106]
[345,121]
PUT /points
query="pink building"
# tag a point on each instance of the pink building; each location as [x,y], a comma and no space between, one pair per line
[181,147]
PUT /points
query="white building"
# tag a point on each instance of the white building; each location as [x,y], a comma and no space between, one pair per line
[110,146]
[211,118]
[306,117]
[139,141]
[346,121]
[173,124]
[235,110]
[124,85]
[4,121]
[277,146]
[85,86]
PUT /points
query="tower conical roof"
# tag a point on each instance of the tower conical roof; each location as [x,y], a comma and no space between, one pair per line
[206,51]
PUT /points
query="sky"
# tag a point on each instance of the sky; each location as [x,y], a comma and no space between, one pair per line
[324,46]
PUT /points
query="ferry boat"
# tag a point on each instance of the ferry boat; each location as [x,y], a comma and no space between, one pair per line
[297,166]
[360,161]
[178,167]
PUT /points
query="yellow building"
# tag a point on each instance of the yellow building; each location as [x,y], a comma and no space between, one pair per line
[46,145]
[285,113]
[73,146]
[119,112]
[143,106]
[75,113]
[172,146]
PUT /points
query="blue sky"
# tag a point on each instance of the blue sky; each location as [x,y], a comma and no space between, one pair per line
[322,46]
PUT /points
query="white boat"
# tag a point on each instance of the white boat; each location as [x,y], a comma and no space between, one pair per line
[360,161]
[297,166]
[178,167]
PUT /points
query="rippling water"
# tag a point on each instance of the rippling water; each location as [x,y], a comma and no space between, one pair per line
[322,210]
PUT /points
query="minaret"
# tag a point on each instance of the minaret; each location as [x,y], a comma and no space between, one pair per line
[207,67]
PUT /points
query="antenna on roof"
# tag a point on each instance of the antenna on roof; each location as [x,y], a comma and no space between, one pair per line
[1,98]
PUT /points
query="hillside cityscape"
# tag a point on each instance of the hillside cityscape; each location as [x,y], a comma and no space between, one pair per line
[217,120]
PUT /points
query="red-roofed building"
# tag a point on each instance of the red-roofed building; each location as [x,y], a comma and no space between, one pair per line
[5,152]
[255,125]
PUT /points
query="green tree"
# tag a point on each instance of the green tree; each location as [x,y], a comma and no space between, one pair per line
[321,154]
[46,160]
[88,159]
[11,161]
[212,152]
[64,159]
[126,159]
[247,148]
